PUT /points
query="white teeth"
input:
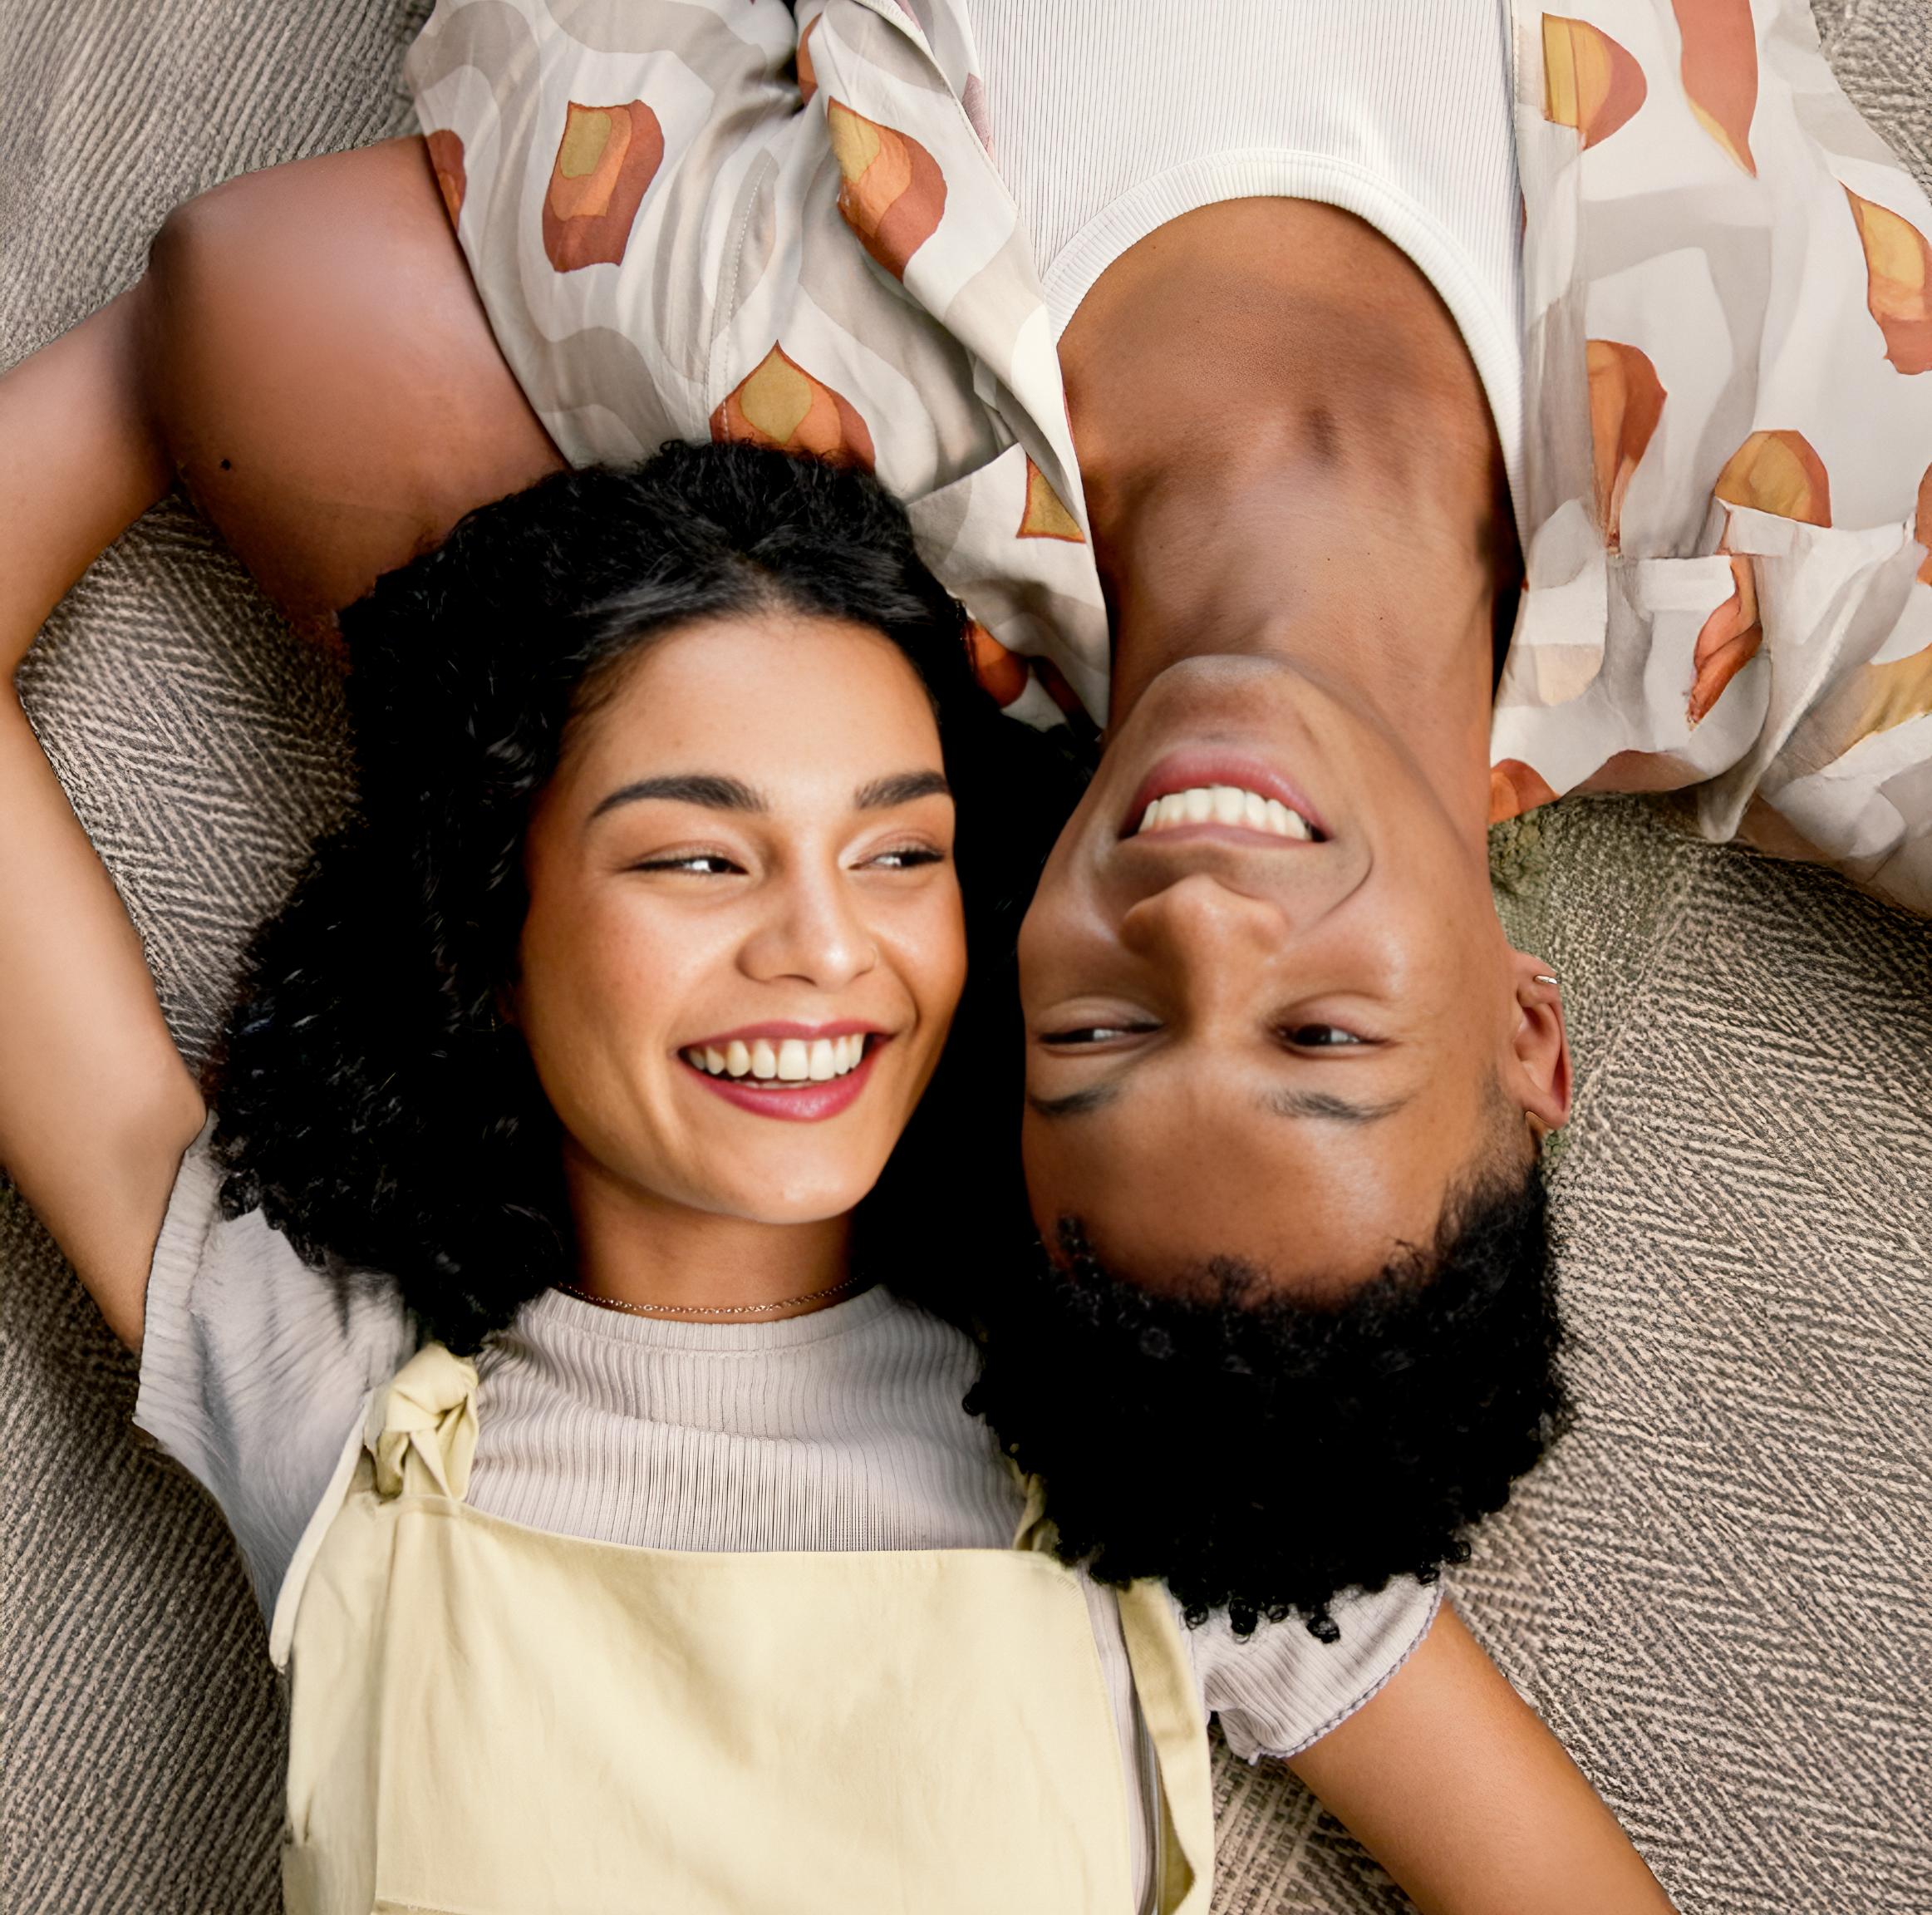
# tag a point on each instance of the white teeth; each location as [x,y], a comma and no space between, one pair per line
[796,1060]
[1225,805]
[1289,824]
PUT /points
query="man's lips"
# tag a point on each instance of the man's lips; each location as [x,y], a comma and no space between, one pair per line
[1202,768]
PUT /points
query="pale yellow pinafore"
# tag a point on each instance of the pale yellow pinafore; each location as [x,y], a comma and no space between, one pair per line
[490,1720]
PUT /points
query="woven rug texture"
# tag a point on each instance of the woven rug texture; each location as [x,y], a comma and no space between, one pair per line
[1713,1590]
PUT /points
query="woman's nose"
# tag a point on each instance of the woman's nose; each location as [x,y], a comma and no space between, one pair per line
[813,931]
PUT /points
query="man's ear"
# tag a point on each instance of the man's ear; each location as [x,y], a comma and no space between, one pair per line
[1541,1077]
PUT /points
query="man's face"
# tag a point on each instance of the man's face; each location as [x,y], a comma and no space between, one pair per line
[1245,1042]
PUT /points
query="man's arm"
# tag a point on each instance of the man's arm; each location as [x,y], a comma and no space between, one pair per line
[1451,1783]
[322,373]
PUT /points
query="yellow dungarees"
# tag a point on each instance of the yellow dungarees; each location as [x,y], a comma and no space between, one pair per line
[490,1720]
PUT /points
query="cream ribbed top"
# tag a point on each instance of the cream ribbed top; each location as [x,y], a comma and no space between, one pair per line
[840,1429]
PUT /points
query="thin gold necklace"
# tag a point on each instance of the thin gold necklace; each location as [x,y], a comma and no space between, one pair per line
[704,1310]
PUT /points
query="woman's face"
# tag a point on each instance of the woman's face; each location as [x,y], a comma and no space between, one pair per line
[744,941]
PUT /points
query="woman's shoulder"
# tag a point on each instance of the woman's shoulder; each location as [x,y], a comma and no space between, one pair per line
[255,1365]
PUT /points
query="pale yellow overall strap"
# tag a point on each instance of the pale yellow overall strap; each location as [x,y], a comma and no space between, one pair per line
[1170,1704]
[422,1430]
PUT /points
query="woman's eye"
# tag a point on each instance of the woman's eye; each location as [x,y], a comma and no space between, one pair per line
[705,864]
[1320,1036]
[907,857]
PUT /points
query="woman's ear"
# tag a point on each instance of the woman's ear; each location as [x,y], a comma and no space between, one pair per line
[1540,1044]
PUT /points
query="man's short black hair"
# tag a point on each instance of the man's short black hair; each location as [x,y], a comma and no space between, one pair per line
[1264,1454]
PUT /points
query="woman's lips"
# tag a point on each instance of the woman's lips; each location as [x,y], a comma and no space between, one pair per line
[801,1101]
[1202,768]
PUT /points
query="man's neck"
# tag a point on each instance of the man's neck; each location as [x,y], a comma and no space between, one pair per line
[1287,452]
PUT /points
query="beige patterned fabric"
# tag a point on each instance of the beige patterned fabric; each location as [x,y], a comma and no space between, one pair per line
[1715,1590]
[1728,314]
[1728,310]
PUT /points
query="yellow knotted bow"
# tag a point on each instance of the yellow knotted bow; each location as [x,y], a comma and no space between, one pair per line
[422,1432]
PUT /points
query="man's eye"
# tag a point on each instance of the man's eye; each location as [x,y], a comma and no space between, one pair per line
[907,857]
[1319,1036]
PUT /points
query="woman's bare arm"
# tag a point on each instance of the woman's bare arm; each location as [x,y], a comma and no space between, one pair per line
[307,352]
[96,1105]
[1451,1782]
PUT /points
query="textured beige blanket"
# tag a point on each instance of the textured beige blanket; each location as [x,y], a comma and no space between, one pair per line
[1715,1591]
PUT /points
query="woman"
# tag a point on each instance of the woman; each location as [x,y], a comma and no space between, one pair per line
[592,1034]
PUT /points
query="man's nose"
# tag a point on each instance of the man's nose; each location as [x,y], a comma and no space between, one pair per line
[1205,933]
[811,932]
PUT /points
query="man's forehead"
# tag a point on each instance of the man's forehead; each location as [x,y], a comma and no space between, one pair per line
[1299,1180]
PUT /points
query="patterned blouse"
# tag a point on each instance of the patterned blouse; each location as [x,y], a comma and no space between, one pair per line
[1728,331]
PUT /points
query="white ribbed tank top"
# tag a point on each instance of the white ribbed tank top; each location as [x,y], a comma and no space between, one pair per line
[1107,121]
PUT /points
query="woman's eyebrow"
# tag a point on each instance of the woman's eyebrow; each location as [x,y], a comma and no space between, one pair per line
[901,788]
[716,793]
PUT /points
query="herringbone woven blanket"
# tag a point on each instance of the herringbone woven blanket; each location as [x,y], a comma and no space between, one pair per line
[1714,1591]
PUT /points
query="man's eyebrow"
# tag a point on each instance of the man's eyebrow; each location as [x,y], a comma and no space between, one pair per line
[901,788]
[1324,1106]
[1075,1103]
[704,788]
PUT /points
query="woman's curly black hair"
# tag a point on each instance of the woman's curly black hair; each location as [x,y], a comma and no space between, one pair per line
[371,1100]
[1263,1455]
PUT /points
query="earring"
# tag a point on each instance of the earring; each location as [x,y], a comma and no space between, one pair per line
[1543,980]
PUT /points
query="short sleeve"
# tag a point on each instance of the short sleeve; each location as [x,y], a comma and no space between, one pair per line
[1280,1689]
[254,1367]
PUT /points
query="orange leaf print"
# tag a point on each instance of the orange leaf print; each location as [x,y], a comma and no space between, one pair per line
[1589,82]
[807,79]
[1728,643]
[1044,516]
[1627,401]
[893,195]
[1894,693]
[1054,681]
[445,154]
[779,404]
[1922,525]
[1720,71]
[1898,264]
[1515,788]
[1001,672]
[605,162]
[1778,472]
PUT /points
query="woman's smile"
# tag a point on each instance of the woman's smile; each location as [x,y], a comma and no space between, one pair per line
[791,1070]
